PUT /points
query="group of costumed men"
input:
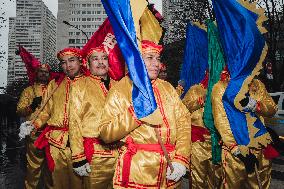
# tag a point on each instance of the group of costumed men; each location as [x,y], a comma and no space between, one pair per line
[98,126]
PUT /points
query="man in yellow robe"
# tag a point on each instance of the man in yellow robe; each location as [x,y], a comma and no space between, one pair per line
[62,113]
[29,102]
[204,173]
[238,170]
[141,163]
[102,157]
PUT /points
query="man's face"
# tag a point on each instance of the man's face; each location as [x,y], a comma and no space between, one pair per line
[98,63]
[71,65]
[42,75]
[152,62]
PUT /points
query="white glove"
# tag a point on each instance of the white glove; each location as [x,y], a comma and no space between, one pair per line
[83,170]
[25,129]
[251,105]
[179,171]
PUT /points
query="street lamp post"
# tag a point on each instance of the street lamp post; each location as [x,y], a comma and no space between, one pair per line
[67,23]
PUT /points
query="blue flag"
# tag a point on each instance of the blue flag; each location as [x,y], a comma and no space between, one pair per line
[195,60]
[243,45]
[120,16]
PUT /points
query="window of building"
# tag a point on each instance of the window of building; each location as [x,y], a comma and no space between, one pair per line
[89,12]
[83,12]
[83,41]
[83,19]
[77,41]
[89,19]
[71,41]
[77,33]
[89,5]
[83,5]
[78,19]
[88,26]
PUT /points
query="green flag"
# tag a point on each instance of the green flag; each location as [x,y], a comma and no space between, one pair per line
[216,64]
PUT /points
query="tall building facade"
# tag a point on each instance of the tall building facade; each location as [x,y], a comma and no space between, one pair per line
[169,8]
[34,27]
[177,13]
[83,15]
[11,51]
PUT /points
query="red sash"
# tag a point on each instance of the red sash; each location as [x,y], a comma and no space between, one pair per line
[89,147]
[42,142]
[197,133]
[131,151]
[270,152]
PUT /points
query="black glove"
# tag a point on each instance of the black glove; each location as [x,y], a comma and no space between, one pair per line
[276,142]
[79,163]
[249,161]
[36,102]
[244,102]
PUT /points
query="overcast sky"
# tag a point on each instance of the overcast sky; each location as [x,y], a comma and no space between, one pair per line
[8,9]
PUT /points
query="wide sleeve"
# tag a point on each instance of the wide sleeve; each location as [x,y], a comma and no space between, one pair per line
[194,98]
[117,119]
[23,106]
[44,114]
[183,132]
[220,118]
[265,105]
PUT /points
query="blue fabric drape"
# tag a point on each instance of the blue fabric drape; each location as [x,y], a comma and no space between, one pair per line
[195,60]
[120,16]
[243,44]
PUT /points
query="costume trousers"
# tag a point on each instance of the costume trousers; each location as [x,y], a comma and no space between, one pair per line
[102,173]
[204,174]
[37,170]
[63,175]
[235,176]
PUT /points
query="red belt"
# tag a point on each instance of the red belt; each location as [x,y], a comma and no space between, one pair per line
[42,142]
[197,133]
[131,151]
[89,147]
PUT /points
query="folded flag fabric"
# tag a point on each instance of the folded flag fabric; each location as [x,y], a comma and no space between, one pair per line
[239,25]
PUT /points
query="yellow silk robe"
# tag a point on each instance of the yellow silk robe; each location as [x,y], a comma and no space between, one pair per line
[35,157]
[65,109]
[26,99]
[64,112]
[203,173]
[104,157]
[234,174]
[118,122]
